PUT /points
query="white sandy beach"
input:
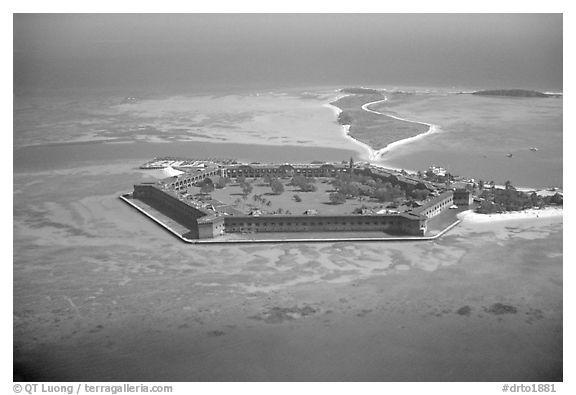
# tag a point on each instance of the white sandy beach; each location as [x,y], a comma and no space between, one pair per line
[476,218]
[371,153]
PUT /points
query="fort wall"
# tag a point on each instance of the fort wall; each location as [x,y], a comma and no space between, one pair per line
[210,227]
[169,204]
[186,180]
[326,223]
[436,205]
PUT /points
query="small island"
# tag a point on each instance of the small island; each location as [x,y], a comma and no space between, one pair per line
[514,93]
[360,91]
[373,128]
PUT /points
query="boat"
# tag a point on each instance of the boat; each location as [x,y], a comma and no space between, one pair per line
[533,149]
[509,155]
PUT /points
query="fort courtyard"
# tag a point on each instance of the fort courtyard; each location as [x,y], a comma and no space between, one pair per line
[311,202]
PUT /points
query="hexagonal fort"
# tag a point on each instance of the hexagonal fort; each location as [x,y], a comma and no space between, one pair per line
[230,201]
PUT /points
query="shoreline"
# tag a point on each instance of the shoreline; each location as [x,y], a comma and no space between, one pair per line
[379,156]
[346,129]
[373,154]
[432,128]
[474,218]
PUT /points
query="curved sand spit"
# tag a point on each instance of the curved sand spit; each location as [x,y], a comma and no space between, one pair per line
[373,154]
[431,129]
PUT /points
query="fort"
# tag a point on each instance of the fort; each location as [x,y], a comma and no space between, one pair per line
[198,217]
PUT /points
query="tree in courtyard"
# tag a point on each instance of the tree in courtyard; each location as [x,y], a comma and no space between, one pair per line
[267,179]
[508,185]
[308,188]
[419,194]
[388,192]
[297,180]
[277,186]
[480,184]
[241,180]
[337,198]
[206,188]
[349,189]
[370,183]
[365,190]
[246,188]
[222,182]
[238,202]
[297,198]
[383,194]
[260,200]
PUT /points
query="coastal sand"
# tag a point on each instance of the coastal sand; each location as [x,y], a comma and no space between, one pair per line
[475,218]
[266,118]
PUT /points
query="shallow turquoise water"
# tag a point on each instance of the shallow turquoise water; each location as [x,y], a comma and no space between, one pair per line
[478,133]
[100,293]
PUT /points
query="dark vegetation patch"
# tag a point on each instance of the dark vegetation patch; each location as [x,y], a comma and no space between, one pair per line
[501,308]
[363,312]
[513,93]
[277,315]
[534,315]
[359,90]
[439,313]
[464,310]
[215,333]
[98,328]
